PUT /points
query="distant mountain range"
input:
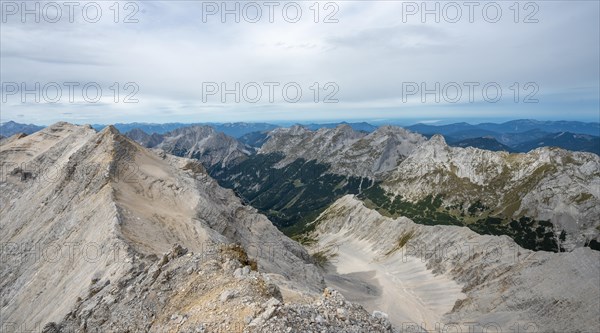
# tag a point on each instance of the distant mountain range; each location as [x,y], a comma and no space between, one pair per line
[518,135]
[486,142]
[513,136]
[235,130]
[513,126]
[565,140]
[11,128]
[362,126]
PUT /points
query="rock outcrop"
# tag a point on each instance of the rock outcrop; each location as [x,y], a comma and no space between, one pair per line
[182,291]
[7,140]
[145,139]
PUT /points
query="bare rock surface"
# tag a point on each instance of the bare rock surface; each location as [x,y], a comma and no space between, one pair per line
[189,292]
[203,143]
[100,234]
[347,151]
[501,285]
[546,184]
[14,137]
[78,207]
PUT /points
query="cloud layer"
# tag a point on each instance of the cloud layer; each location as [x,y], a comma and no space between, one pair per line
[365,61]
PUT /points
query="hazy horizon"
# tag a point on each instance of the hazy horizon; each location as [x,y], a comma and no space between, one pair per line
[375,122]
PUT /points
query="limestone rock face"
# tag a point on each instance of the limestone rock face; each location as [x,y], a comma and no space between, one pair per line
[500,284]
[78,207]
[145,139]
[203,143]
[545,184]
[347,151]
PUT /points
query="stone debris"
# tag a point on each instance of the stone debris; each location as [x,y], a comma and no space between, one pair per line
[214,300]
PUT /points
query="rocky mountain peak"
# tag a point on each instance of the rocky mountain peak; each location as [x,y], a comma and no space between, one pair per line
[508,185]
[203,143]
[198,129]
[438,139]
[347,151]
[294,130]
[343,128]
[399,134]
[342,134]
[61,126]
[137,132]
[110,130]
[129,202]
[116,140]
[388,128]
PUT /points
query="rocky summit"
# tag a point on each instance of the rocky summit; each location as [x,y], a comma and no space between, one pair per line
[200,142]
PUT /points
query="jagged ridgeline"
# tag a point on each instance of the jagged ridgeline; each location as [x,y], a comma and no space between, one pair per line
[178,248]
[448,274]
[546,199]
[298,172]
[290,191]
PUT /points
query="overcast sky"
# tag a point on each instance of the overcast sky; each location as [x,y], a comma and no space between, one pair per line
[370,61]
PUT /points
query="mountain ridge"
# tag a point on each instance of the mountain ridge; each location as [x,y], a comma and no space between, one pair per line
[545,184]
[346,150]
[109,192]
[511,133]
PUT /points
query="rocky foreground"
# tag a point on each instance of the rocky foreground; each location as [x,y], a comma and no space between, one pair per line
[217,292]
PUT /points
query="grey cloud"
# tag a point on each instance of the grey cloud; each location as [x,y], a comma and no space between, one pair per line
[397,37]
[170,52]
